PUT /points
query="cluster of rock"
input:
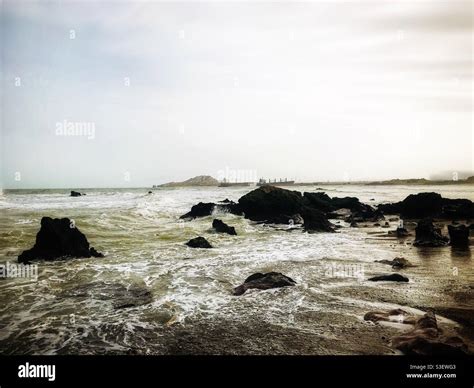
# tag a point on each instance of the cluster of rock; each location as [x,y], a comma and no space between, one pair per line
[430,205]
[425,338]
[275,205]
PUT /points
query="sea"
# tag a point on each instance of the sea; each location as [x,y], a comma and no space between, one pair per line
[79,306]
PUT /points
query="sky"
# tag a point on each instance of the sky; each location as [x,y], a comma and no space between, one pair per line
[126,93]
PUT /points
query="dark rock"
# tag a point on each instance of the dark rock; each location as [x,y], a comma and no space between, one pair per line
[458,235]
[270,204]
[222,227]
[150,192]
[457,209]
[58,237]
[376,224]
[394,277]
[353,224]
[402,232]
[200,210]
[397,263]
[431,205]
[320,201]
[315,221]
[323,202]
[427,339]
[264,282]
[76,194]
[427,235]
[198,242]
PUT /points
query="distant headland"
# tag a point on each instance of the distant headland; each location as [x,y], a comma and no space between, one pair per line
[207,180]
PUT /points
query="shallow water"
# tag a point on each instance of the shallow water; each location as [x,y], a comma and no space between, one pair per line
[71,307]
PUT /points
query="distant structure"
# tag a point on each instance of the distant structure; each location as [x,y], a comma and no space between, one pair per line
[275,182]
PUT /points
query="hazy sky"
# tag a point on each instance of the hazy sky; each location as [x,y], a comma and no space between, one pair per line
[309,91]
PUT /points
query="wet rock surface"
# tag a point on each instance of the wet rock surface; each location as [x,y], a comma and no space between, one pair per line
[458,235]
[198,242]
[58,238]
[427,235]
[426,338]
[222,227]
[394,277]
[264,281]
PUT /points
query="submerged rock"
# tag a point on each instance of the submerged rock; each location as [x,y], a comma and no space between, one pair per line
[198,242]
[458,235]
[427,235]
[58,237]
[394,277]
[121,295]
[222,227]
[427,339]
[397,263]
[265,281]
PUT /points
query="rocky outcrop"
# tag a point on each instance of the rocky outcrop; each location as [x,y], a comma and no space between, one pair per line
[458,235]
[423,205]
[394,277]
[200,180]
[427,339]
[198,242]
[271,204]
[202,209]
[57,238]
[222,227]
[264,281]
[427,235]
[360,212]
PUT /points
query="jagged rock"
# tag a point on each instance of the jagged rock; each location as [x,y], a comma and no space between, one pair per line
[458,235]
[427,235]
[271,204]
[200,210]
[394,277]
[222,227]
[427,339]
[360,211]
[58,237]
[265,281]
[198,242]
[315,221]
